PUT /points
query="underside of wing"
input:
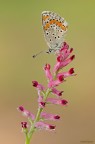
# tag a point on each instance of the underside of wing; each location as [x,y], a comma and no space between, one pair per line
[54,28]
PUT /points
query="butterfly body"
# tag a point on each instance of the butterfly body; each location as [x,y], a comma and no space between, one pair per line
[54,28]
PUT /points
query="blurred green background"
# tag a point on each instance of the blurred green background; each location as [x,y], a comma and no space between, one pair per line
[21,36]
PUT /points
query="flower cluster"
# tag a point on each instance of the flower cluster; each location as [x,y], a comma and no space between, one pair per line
[54,78]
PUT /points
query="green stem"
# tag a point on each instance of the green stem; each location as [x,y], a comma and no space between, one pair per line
[27,141]
[32,128]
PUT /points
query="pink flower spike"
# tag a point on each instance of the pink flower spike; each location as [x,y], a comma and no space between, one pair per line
[57,101]
[42,125]
[47,71]
[38,86]
[26,112]
[24,124]
[49,116]
[66,74]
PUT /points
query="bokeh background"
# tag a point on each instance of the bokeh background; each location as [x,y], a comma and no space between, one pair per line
[21,36]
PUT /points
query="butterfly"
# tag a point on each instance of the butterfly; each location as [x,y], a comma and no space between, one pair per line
[54,28]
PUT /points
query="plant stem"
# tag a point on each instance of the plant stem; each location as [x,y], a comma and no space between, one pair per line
[27,141]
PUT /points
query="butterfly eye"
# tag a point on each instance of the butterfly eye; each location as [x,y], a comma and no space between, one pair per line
[47,33]
[50,39]
[55,37]
[50,50]
[58,36]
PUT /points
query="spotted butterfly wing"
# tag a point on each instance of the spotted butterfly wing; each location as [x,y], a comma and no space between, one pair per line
[54,28]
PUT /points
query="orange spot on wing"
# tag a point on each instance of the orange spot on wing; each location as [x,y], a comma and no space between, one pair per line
[54,21]
[45,17]
[63,27]
[59,24]
[46,26]
[51,22]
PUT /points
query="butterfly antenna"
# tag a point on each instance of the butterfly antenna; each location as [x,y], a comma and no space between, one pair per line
[38,54]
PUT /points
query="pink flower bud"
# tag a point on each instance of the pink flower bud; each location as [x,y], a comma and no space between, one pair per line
[26,112]
[52,84]
[57,92]
[64,102]
[66,74]
[21,108]
[24,124]
[38,86]
[71,50]
[61,78]
[57,101]
[64,46]
[42,104]
[71,71]
[42,125]
[47,66]
[35,83]
[60,58]
[47,72]
[47,116]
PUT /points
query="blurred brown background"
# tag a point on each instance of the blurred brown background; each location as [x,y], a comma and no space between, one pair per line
[21,36]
